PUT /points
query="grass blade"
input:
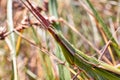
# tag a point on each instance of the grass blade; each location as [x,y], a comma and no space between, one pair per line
[64,74]
[105,28]
[53,8]
[12,37]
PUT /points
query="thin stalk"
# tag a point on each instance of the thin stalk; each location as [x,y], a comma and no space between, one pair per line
[103,51]
[12,37]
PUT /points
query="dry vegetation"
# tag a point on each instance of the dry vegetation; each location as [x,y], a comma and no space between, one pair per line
[31,53]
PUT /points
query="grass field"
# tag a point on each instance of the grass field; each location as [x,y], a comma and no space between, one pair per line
[59,40]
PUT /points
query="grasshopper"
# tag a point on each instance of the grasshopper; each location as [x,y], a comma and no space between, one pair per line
[91,65]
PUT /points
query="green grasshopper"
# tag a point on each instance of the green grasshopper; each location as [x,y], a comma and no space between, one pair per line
[96,69]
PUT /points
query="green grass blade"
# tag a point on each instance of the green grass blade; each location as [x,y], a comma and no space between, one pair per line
[48,67]
[45,59]
[35,36]
[53,8]
[53,12]
[64,74]
[105,28]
